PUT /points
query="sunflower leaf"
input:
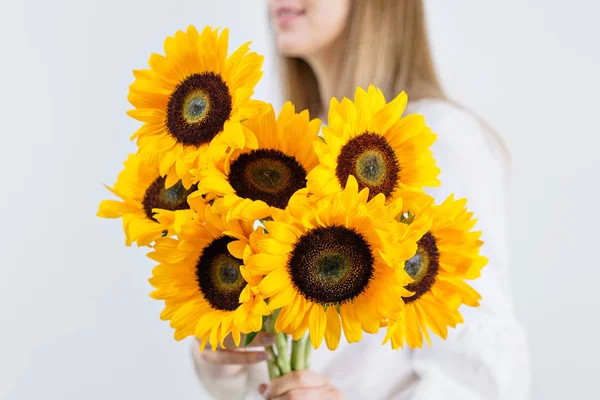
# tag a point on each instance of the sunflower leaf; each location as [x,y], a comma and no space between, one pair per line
[249,338]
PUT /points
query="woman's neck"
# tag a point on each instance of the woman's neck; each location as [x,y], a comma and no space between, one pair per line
[323,66]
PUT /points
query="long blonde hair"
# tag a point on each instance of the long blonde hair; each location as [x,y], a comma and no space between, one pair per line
[385,44]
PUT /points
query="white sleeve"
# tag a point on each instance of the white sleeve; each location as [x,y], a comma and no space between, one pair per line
[486,357]
[219,385]
[222,385]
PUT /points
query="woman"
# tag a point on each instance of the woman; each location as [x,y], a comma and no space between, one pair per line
[329,47]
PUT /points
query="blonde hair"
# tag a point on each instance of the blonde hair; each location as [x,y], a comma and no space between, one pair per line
[385,44]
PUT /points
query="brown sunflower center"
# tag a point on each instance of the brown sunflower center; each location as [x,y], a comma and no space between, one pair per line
[198,109]
[423,267]
[173,198]
[219,277]
[268,175]
[195,106]
[372,161]
[331,265]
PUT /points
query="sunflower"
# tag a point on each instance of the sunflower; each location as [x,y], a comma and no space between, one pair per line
[193,99]
[251,181]
[202,279]
[333,265]
[149,210]
[447,254]
[368,139]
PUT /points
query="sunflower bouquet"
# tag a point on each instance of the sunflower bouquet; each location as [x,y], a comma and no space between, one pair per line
[260,222]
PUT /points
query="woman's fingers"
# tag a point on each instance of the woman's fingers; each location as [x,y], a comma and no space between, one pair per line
[233,355]
[263,339]
[295,380]
[239,357]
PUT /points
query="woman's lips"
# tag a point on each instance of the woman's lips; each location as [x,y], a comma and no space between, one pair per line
[286,15]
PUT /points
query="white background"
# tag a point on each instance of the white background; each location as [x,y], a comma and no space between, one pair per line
[77,322]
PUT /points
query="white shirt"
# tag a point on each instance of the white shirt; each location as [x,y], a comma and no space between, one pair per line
[484,358]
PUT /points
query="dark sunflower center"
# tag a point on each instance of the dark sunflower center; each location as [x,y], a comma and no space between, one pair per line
[372,161]
[195,107]
[416,264]
[268,175]
[331,265]
[173,198]
[370,167]
[422,267]
[198,109]
[218,275]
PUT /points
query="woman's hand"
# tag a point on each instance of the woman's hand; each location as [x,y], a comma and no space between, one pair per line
[232,359]
[300,385]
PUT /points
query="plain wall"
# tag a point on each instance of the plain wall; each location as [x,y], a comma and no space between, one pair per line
[77,321]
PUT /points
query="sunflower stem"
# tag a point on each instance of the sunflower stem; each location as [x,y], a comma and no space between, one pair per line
[307,349]
[299,353]
[283,358]
[273,363]
[274,371]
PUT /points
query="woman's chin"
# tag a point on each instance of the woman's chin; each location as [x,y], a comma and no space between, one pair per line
[292,47]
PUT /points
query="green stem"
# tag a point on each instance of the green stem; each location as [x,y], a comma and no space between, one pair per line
[274,371]
[283,358]
[307,350]
[269,326]
[297,355]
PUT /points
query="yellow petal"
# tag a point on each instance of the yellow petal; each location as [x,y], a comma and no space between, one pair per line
[233,135]
[215,184]
[288,314]
[235,334]
[317,324]
[350,323]
[110,209]
[282,232]
[262,263]
[365,311]
[275,282]
[333,330]
[283,298]
[237,248]
[272,246]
